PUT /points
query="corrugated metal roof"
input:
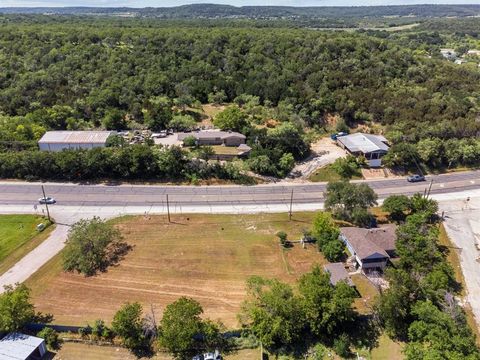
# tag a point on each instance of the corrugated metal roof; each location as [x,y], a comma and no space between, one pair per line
[17,346]
[364,143]
[75,137]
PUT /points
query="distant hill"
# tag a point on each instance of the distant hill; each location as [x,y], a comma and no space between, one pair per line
[257,12]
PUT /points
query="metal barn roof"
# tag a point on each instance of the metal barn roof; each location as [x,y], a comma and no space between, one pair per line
[75,137]
[17,346]
[365,143]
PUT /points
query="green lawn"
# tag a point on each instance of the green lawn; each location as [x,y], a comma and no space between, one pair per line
[327,174]
[18,236]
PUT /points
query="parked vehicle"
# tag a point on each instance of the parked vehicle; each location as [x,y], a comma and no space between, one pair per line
[337,135]
[208,356]
[47,200]
[416,178]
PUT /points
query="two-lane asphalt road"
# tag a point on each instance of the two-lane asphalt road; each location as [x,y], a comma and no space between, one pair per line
[21,193]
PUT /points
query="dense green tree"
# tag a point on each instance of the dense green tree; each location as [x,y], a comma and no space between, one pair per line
[273,313]
[127,324]
[232,118]
[327,233]
[397,206]
[91,246]
[16,308]
[51,337]
[346,167]
[114,120]
[327,308]
[343,198]
[182,123]
[180,327]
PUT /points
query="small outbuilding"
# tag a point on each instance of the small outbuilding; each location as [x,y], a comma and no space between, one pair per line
[372,147]
[61,140]
[338,273]
[18,346]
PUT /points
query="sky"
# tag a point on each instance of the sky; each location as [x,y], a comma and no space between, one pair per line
[162,3]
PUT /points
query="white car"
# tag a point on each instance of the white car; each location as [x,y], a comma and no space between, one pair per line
[47,200]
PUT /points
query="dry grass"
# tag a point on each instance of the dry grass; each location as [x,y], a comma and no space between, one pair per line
[207,257]
[75,351]
[367,291]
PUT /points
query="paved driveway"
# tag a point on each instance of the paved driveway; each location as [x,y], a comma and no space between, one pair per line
[463,227]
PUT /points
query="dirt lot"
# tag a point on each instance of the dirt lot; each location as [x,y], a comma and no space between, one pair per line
[207,257]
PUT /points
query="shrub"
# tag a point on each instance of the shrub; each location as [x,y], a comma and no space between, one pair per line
[282,236]
[190,141]
[341,346]
[51,338]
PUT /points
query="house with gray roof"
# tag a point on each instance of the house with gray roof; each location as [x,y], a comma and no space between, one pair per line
[372,147]
[371,248]
[337,273]
[18,346]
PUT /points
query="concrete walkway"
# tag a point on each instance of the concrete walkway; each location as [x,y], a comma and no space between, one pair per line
[34,260]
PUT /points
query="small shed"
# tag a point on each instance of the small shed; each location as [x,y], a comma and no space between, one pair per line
[18,346]
[338,273]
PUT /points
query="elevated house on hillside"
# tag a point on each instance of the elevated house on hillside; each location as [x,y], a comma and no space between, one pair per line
[62,140]
[372,147]
[372,249]
[215,137]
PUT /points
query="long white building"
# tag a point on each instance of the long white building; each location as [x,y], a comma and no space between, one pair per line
[61,140]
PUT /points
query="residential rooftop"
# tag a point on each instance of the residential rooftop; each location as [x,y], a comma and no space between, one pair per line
[364,143]
[210,134]
[366,242]
[338,273]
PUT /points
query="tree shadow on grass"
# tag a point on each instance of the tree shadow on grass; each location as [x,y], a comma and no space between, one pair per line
[116,252]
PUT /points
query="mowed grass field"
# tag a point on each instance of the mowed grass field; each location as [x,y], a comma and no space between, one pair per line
[75,351]
[206,257]
[18,236]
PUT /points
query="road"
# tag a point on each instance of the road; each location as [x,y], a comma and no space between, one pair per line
[77,195]
[76,201]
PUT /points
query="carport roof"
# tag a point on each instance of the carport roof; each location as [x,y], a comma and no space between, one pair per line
[18,346]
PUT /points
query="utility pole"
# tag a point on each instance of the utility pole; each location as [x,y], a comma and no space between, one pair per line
[429,189]
[291,203]
[168,209]
[46,203]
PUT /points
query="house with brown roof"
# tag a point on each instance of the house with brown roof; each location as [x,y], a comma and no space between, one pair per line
[371,248]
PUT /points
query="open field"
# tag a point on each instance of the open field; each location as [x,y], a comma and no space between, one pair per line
[207,257]
[75,351]
[18,236]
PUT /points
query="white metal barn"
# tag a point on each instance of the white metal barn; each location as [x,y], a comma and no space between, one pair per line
[18,346]
[60,140]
